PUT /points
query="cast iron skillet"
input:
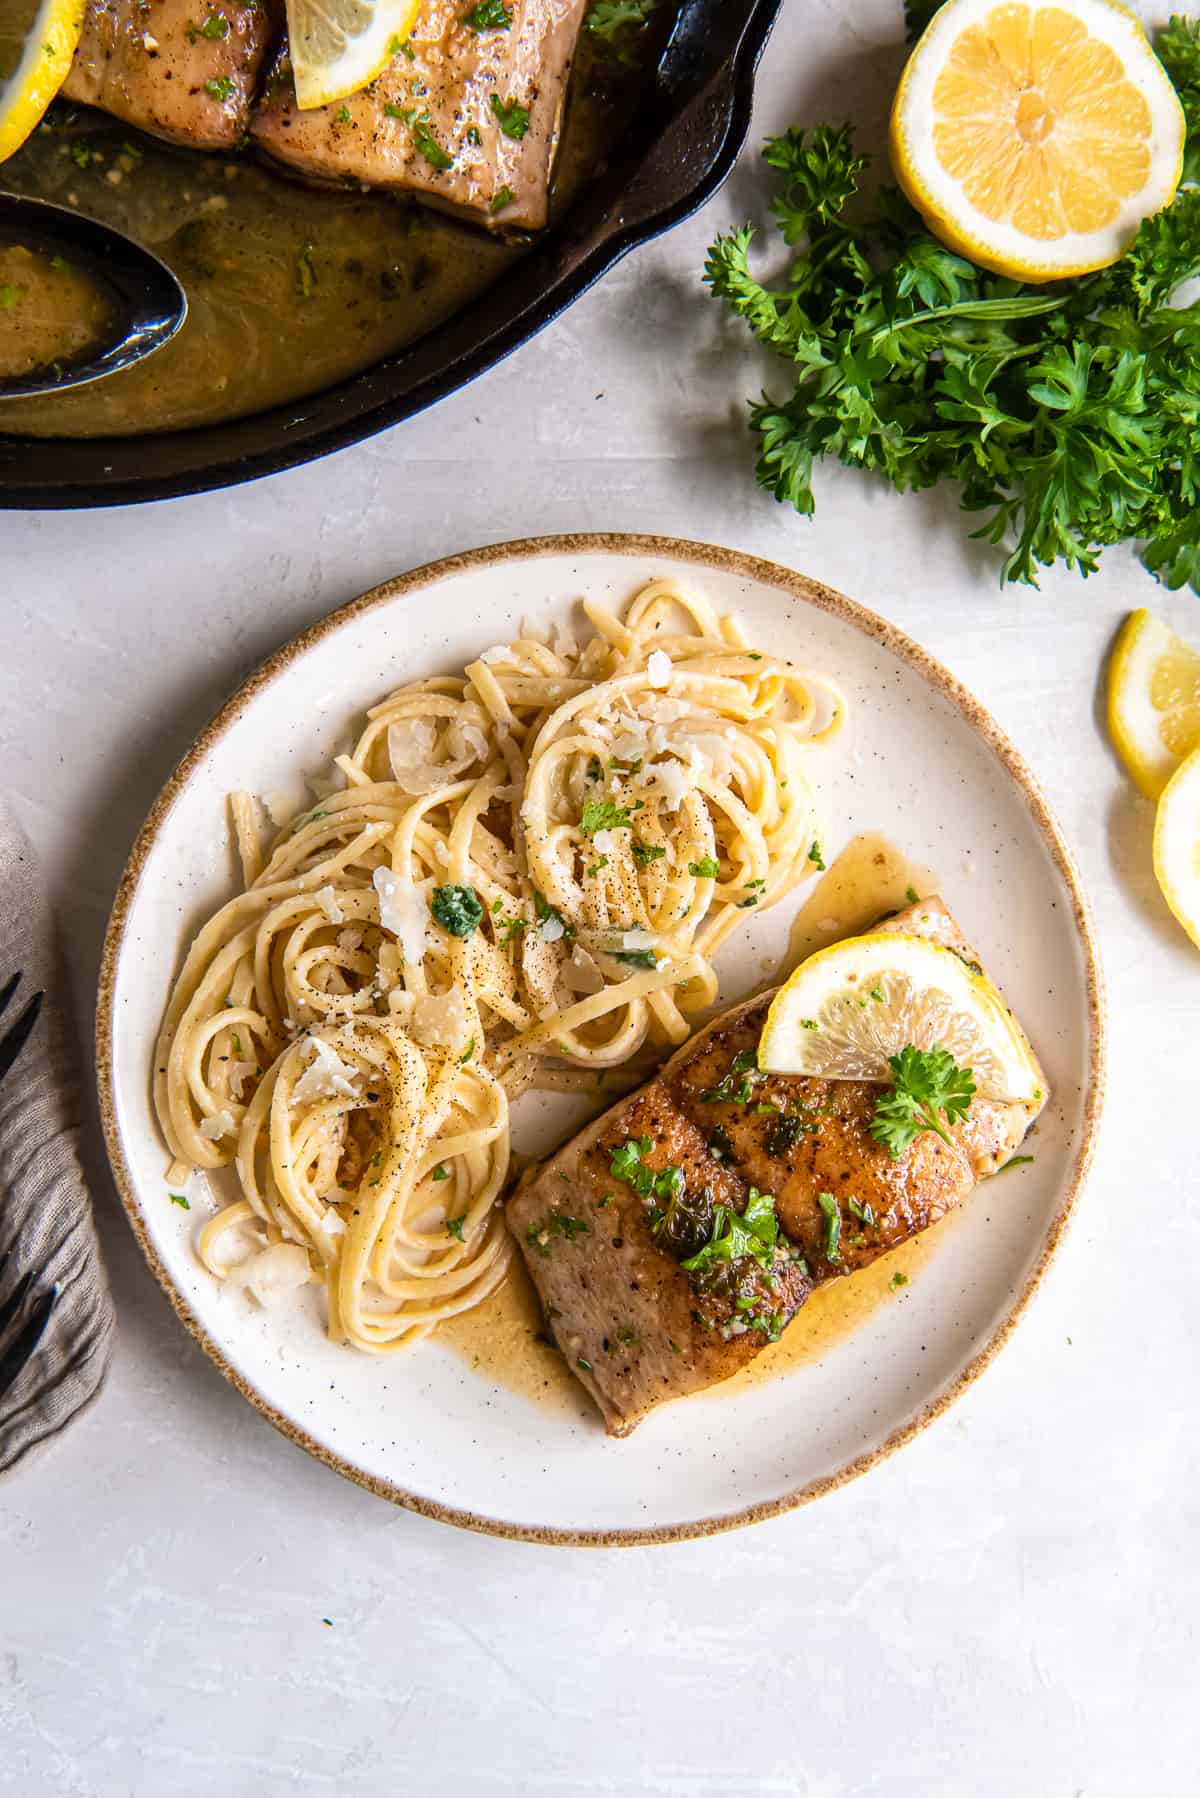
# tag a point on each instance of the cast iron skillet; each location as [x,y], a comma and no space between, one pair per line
[673,159]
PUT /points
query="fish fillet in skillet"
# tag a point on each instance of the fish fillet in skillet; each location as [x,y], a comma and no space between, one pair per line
[184,71]
[633,1324]
[467,120]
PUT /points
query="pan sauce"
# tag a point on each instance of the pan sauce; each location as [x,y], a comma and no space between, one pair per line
[290,288]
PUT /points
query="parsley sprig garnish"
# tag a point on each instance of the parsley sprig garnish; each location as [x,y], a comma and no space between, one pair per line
[927,1082]
[1068,413]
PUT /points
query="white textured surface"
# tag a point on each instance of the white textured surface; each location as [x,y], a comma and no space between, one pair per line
[1008,1607]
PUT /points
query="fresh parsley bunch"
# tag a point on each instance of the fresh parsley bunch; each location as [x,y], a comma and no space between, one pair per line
[1069,412]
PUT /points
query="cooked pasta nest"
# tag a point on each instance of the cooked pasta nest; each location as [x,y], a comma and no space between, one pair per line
[521,879]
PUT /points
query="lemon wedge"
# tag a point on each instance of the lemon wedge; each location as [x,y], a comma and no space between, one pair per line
[36,47]
[339,46]
[1034,139]
[1153,700]
[848,1008]
[1177,844]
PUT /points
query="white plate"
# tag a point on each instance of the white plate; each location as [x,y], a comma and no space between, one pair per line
[920,761]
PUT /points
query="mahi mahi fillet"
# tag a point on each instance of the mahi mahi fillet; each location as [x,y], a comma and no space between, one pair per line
[633,1325]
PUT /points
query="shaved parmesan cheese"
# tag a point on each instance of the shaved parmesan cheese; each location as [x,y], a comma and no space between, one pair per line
[605,842]
[278,1269]
[327,1076]
[629,748]
[439,1020]
[402,910]
[490,657]
[281,808]
[633,939]
[327,899]
[665,711]
[239,1072]
[333,1223]
[581,974]
[218,1125]
[658,668]
[672,782]
[552,929]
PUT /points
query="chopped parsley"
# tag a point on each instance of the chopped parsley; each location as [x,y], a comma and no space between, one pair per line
[613,22]
[178,1198]
[596,867]
[429,146]
[732,1090]
[398,46]
[720,1146]
[602,814]
[467,1053]
[342,116]
[306,273]
[754,1232]
[549,914]
[215,26]
[511,116]
[912,895]
[635,958]
[10,297]
[864,1213]
[407,113]
[899,1279]
[454,1227]
[706,868]
[459,910]
[645,853]
[221,88]
[539,1235]
[504,198]
[927,1081]
[1016,1161]
[833,1226]
[816,858]
[786,1132]
[586,1365]
[441,1171]
[489,15]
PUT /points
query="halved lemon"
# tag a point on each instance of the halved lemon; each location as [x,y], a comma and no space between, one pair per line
[339,46]
[1153,700]
[1034,139]
[37,42]
[1177,844]
[848,1008]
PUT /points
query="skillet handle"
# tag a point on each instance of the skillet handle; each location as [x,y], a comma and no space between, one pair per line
[700,142]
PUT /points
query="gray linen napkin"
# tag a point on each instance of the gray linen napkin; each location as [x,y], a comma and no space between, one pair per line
[45,1213]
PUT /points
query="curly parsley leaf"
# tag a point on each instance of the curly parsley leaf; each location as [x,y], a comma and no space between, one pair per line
[927,1082]
[459,910]
[616,25]
[1178,48]
[1067,414]
[489,15]
[602,814]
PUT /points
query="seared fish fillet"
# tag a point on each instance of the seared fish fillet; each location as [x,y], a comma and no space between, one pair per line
[635,1326]
[469,120]
[169,68]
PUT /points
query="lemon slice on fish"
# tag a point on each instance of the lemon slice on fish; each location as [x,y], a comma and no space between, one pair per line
[1153,700]
[339,46]
[1035,138]
[37,42]
[848,1008]
[1177,844]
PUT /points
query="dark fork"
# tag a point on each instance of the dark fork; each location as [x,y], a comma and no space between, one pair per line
[21,1326]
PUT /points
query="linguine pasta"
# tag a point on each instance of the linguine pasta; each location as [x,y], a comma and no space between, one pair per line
[522,881]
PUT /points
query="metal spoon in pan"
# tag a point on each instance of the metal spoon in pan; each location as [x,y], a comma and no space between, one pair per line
[77,299]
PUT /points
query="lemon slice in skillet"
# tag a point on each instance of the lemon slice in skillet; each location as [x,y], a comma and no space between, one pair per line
[339,46]
[848,1008]
[37,42]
